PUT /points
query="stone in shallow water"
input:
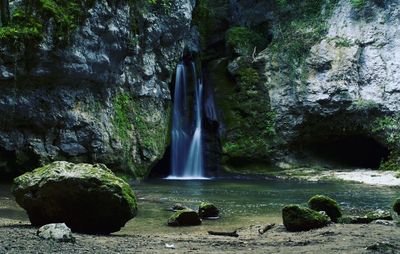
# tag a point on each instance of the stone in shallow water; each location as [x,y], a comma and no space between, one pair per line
[56,231]
[396,206]
[326,204]
[296,218]
[87,198]
[208,210]
[185,217]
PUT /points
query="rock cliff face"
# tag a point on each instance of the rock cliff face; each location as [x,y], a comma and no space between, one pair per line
[102,96]
[321,87]
[346,92]
[295,83]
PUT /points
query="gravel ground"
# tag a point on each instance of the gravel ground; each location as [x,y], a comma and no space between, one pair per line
[20,237]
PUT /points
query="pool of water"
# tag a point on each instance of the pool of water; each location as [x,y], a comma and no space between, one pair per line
[248,202]
[242,202]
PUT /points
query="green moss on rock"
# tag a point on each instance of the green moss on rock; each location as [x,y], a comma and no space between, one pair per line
[244,40]
[141,126]
[326,204]
[186,217]
[31,17]
[296,218]
[88,198]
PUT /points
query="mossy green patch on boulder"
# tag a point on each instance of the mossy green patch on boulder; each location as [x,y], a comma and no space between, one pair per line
[208,210]
[296,218]
[396,206]
[87,198]
[379,215]
[326,204]
[368,218]
[186,217]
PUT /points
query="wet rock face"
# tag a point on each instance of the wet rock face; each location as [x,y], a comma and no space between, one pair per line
[81,101]
[350,80]
[87,198]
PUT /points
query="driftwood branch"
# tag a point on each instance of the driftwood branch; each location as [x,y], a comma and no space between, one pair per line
[267,227]
[232,234]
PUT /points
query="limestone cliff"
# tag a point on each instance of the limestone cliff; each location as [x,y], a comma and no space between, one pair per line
[94,90]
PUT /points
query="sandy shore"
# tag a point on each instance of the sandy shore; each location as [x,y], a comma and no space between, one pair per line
[366,176]
[16,237]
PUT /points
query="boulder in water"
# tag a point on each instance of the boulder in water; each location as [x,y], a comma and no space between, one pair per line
[208,210]
[396,206]
[296,218]
[326,204]
[185,217]
[379,215]
[87,198]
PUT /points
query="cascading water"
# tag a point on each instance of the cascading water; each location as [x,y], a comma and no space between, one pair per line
[187,157]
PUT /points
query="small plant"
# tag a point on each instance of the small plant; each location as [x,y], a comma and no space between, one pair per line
[358,3]
[243,40]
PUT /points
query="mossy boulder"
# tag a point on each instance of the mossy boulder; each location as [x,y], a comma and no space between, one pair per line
[87,198]
[396,206]
[208,210]
[379,215]
[296,218]
[326,204]
[368,218]
[186,217]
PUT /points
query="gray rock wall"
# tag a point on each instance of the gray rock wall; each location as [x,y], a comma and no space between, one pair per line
[104,97]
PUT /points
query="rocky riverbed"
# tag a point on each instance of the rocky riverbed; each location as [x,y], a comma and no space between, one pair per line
[20,237]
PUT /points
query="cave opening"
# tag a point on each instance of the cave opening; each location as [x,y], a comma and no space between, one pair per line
[351,151]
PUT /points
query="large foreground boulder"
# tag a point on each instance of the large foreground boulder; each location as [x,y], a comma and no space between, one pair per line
[88,198]
[186,217]
[296,218]
[326,204]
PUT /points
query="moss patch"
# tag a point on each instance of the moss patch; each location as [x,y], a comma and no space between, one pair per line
[141,128]
[31,17]
[326,204]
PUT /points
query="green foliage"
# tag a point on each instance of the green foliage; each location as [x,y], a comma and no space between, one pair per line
[301,25]
[30,17]
[203,19]
[358,3]
[244,40]
[342,42]
[389,128]
[251,123]
[163,5]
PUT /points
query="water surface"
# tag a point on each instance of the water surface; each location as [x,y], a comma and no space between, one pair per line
[242,202]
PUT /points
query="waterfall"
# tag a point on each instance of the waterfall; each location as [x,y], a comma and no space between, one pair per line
[187,157]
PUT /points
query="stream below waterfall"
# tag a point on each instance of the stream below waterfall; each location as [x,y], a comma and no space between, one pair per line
[242,202]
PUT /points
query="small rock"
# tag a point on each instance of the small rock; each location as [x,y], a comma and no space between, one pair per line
[379,215]
[384,222]
[178,207]
[56,231]
[208,210]
[185,217]
[169,246]
[326,204]
[296,218]
[396,206]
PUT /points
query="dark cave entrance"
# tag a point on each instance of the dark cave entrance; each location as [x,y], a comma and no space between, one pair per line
[352,151]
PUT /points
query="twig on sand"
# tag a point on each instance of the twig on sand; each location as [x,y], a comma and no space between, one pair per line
[232,234]
[267,227]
